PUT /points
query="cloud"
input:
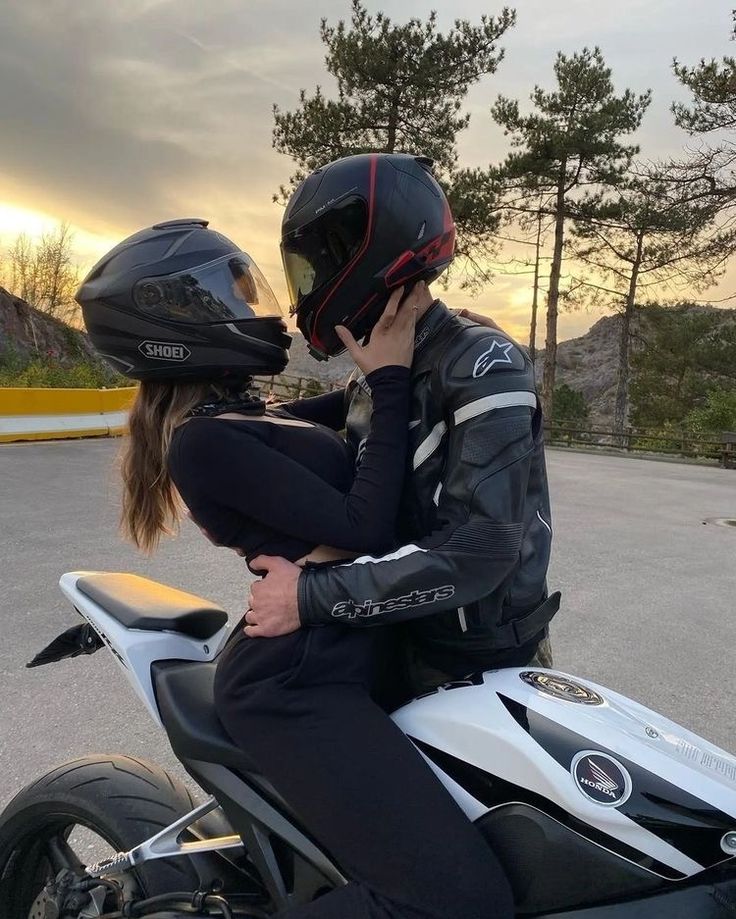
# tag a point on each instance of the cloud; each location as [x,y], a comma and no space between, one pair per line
[116,115]
[112,113]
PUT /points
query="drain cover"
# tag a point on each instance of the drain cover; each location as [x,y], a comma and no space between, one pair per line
[721,521]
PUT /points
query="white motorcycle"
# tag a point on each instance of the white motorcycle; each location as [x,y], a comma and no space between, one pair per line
[597,807]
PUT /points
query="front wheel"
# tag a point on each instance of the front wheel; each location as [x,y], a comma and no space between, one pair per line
[79,812]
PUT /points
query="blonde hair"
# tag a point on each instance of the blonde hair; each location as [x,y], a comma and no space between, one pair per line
[151,504]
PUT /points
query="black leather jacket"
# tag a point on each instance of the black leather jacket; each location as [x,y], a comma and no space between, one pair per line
[470,576]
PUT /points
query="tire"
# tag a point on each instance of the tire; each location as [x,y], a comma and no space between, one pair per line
[122,800]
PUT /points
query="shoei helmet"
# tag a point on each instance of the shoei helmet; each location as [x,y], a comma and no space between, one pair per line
[181,301]
[354,231]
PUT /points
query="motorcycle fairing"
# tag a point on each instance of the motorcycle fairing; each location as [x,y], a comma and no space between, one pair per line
[135,650]
[683,790]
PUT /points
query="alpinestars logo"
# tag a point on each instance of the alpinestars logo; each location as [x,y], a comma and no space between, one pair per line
[164,350]
[601,778]
[498,353]
[421,337]
[349,609]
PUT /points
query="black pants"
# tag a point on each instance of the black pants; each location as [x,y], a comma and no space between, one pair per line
[301,707]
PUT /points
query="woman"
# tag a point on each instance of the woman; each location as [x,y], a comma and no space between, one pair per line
[181,309]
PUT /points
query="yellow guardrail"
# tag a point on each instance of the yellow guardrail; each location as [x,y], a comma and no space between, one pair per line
[51,414]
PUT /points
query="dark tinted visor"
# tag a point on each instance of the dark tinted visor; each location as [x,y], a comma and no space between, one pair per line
[317,252]
[228,288]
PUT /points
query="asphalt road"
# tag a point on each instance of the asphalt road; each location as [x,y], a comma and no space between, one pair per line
[649,595]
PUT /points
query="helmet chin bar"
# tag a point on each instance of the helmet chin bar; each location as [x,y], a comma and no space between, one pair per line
[317,354]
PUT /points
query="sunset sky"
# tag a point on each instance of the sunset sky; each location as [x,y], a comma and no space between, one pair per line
[118,115]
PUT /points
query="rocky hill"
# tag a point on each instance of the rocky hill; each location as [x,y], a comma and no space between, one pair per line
[26,332]
[589,363]
[302,364]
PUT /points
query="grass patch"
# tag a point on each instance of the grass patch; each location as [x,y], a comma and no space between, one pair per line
[81,374]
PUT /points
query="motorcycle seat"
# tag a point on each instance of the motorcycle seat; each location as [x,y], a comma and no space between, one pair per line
[186,701]
[138,603]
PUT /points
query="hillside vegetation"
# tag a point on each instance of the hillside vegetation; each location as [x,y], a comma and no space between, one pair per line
[681,355]
[38,350]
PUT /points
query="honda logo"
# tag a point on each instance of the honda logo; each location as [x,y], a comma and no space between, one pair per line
[600,778]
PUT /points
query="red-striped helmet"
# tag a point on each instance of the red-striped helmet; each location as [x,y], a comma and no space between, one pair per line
[354,231]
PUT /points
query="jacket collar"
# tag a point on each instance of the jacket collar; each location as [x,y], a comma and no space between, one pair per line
[431,322]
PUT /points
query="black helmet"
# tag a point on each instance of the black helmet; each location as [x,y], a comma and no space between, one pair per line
[180,301]
[355,230]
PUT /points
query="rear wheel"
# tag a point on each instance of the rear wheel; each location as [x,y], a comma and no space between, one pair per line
[82,812]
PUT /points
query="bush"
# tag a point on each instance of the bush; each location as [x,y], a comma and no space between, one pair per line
[14,371]
[653,442]
[716,415]
[313,388]
[569,408]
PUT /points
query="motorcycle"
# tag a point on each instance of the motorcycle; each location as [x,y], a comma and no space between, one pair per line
[597,807]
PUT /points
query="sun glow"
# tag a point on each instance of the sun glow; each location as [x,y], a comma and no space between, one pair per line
[16,220]
[87,246]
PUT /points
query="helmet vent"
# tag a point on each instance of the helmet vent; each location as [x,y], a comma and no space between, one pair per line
[422,228]
[177,243]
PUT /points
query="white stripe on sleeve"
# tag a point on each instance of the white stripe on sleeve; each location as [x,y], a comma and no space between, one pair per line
[494,401]
[391,557]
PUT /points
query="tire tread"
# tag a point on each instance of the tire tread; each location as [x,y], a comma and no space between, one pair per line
[131,798]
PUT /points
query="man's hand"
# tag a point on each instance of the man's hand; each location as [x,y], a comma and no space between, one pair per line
[273,601]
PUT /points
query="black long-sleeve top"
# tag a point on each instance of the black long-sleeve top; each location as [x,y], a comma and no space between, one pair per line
[270,488]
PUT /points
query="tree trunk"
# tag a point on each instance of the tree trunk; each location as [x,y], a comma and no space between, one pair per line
[393,123]
[553,296]
[621,407]
[535,297]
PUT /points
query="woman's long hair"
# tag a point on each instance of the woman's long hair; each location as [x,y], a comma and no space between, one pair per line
[151,504]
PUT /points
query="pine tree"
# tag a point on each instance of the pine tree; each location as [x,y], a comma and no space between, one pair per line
[645,235]
[400,88]
[570,143]
[685,352]
[709,171]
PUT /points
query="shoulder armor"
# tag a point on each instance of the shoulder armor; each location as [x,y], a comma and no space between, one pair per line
[478,351]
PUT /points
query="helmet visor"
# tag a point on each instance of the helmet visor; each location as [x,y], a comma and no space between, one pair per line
[224,290]
[315,254]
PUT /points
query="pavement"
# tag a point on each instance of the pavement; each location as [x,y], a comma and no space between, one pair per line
[649,595]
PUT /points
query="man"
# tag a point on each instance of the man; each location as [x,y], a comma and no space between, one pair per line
[469,578]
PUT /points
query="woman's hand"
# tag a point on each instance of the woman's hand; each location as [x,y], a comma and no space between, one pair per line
[392,338]
[486,321]
[480,318]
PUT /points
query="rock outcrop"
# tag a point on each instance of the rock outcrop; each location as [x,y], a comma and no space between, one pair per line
[589,363]
[26,332]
